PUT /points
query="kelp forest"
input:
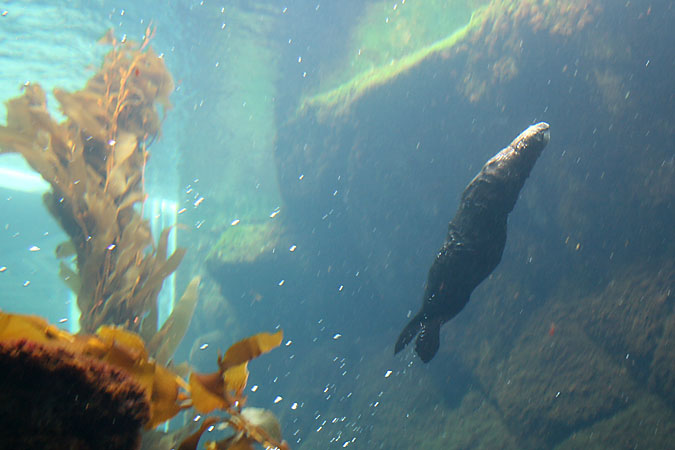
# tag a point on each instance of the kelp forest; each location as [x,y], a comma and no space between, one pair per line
[112,384]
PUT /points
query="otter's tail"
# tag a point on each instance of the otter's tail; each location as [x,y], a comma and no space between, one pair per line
[428,340]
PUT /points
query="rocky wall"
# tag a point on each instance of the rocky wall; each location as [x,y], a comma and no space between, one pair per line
[569,342]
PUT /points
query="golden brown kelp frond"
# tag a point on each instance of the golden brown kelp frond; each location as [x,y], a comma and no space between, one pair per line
[223,390]
[32,132]
[132,81]
[164,343]
[95,162]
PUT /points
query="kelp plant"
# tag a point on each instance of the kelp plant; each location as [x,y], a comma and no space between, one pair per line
[95,162]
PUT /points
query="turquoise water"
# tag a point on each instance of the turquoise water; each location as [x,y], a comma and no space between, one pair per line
[324,221]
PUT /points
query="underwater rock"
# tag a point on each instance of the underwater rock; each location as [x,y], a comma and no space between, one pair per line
[633,319]
[605,208]
[475,241]
[553,384]
[578,361]
[53,399]
[656,427]
[662,375]
[250,262]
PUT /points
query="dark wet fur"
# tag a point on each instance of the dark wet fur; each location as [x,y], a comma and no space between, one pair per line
[475,241]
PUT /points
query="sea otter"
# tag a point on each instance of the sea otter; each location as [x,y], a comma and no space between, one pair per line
[475,241]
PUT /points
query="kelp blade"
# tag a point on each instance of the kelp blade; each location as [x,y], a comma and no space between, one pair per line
[249,348]
[236,378]
[164,343]
[207,391]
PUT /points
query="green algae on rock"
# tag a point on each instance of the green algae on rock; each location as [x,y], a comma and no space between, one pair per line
[363,77]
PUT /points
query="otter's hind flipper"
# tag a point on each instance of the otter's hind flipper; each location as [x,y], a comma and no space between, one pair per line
[428,341]
[408,333]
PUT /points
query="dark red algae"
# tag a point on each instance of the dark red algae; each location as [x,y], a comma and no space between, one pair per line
[51,398]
